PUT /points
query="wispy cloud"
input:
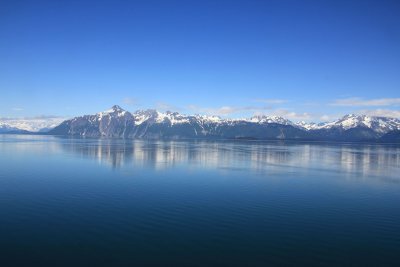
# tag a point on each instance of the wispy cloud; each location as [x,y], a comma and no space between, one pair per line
[288,114]
[326,117]
[17,109]
[357,101]
[227,110]
[130,101]
[381,113]
[162,106]
[271,101]
[41,117]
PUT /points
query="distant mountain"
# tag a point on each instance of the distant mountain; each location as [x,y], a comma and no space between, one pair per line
[25,125]
[353,128]
[117,122]
[5,128]
[151,124]
[110,123]
[308,125]
[377,124]
[270,119]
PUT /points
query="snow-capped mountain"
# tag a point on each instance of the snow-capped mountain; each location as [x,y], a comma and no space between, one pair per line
[379,125]
[111,123]
[5,128]
[40,124]
[270,119]
[308,125]
[159,117]
[113,111]
[117,122]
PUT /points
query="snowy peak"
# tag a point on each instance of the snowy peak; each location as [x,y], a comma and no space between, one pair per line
[117,108]
[307,125]
[155,116]
[4,127]
[37,124]
[172,118]
[378,124]
[208,119]
[114,110]
[148,113]
[270,119]
[141,116]
[151,123]
[117,116]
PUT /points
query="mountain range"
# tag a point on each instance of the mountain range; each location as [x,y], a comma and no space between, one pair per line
[29,125]
[151,124]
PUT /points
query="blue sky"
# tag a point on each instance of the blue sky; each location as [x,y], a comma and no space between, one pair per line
[311,60]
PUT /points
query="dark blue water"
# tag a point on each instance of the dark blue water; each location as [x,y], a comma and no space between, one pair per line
[76,202]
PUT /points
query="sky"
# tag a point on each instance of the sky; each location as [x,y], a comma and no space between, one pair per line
[304,60]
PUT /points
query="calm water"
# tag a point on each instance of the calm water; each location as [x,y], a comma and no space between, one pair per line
[74,202]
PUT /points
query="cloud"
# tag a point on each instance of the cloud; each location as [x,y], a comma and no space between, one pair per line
[46,117]
[357,101]
[271,101]
[381,113]
[130,101]
[289,114]
[17,109]
[326,117]
[253,111]
[36,119]
[162,106]
[40,117]
[226,110]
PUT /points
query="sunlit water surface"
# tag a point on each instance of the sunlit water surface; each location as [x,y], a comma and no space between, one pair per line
[77,202]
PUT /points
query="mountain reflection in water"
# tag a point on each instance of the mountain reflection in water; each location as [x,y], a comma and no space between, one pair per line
[115,202]
[368,160]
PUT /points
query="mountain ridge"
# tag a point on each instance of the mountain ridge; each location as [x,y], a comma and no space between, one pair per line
[150,123]
[117,122]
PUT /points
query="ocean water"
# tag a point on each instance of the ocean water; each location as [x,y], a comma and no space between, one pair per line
[91,202]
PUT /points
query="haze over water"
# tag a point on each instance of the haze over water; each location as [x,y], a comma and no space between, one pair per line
[101,202]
